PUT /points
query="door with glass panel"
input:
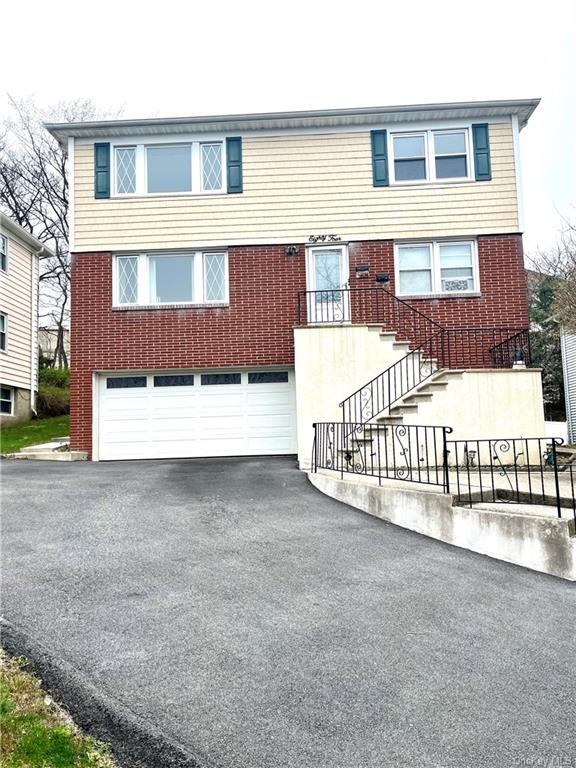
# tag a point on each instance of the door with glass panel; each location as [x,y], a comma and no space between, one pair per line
[327,277]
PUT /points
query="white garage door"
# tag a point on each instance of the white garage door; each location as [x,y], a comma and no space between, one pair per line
[168,415]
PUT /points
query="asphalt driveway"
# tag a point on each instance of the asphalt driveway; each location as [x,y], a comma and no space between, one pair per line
[224,612]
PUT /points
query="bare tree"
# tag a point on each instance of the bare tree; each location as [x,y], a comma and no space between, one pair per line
[559,264]
[34,192]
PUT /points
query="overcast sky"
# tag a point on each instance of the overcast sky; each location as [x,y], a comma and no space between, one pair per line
[190,58]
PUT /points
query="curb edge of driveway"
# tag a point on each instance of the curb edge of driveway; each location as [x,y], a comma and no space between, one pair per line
[135,744]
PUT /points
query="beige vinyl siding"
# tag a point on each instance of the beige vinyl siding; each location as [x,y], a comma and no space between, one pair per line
[17,301]
[295,186]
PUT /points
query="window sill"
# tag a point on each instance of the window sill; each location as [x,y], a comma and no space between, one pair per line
[163,195]
[431,182]
[455,295]
[146,307]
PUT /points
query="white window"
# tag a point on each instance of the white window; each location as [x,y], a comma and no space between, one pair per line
[432,155]
[3,253]
[440,267]
[125,158]
[6,400]
[171,278]
[169,168]
[3,331]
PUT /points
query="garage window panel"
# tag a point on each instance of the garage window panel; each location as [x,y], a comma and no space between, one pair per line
[126,382]
[268,377]
[176,380]
[208,379]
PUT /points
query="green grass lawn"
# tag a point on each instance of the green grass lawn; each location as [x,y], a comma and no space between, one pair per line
[33,432]
[35,732]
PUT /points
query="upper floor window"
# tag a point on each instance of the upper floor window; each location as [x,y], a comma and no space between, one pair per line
[431,155]
[3,331]
[3,253]
[443,267]
[176,278]
[193,167]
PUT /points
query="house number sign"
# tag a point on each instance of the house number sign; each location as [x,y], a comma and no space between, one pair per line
[324,239]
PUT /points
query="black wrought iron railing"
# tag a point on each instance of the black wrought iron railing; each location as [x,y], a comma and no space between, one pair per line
[535,470]
[415,454]
[513,350]
[372,305]
[390,386]
[451,348]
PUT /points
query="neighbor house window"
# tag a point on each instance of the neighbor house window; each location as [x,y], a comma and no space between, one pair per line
[164,169]
[3,253]
[172,278]
[433,155]
[3,331]
[6,400]
[441,267]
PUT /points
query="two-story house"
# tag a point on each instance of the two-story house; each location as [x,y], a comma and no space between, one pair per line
[236,278]
[19,255]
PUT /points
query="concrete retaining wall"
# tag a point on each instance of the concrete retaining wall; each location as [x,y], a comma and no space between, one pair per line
[545,544]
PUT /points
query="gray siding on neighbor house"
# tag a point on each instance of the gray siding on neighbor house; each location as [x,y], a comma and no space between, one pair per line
[569,365]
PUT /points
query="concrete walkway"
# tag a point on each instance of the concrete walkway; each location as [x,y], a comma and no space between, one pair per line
[224,613]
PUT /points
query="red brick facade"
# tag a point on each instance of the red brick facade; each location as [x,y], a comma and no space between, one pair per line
[256,329]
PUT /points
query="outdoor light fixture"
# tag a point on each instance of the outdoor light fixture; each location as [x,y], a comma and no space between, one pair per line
[362,270]
[382,277]
[292,250]
[519,361]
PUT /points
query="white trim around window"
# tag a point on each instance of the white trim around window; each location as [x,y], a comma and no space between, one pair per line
[3,253]
[3,332]
[6,400]
[205,168]
[418,151]
[436,268]
[191,278]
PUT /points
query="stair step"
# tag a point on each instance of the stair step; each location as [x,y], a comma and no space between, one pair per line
[403,408]
[419,397]
[391,420]
[435,386]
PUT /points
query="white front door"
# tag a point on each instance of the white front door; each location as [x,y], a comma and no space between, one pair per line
[327,274]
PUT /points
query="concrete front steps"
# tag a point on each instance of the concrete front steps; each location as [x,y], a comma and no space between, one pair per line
[56,450]
[439,381]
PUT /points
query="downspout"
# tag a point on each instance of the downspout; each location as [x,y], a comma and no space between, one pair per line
[35,293]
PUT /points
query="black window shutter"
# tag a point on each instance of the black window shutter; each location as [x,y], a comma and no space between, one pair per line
[234,165]
[379,158]
[102,170]
[481,143]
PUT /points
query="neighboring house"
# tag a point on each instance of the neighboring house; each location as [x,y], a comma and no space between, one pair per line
[568,342]
[218,261]
[19,254]
[48,346]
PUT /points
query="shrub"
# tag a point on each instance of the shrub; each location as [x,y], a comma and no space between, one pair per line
[55,377]
[52,400]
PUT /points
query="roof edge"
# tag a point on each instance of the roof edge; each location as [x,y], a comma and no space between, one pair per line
[22,234]
[521,107]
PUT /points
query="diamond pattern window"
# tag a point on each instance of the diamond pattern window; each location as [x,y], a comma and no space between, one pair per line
[128,280]
[149,279]
[211,167]
[125,170]
[215,277]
